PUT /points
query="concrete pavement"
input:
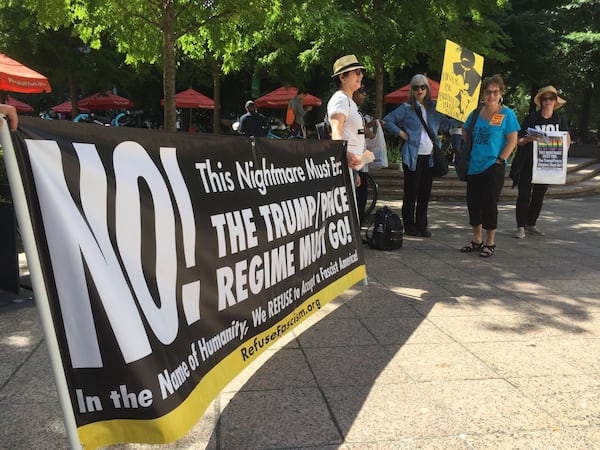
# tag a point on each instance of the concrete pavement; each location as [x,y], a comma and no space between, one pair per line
[441,350]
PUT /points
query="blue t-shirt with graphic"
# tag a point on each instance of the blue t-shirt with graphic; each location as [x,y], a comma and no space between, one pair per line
[489,138]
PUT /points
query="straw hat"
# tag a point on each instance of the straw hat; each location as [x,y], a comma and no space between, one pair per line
[345,64]
[549,89]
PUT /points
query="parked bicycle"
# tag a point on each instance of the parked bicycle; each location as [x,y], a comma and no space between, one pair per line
[372,193]
[372,187]
[279,130]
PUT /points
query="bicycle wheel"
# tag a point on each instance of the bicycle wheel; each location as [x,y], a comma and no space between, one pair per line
[371,194]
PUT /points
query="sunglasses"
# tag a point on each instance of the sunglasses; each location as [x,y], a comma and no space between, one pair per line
[362,91]
[421,87]
[547,99]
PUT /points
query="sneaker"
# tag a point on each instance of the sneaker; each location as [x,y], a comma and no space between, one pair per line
[520,234]
[425,233]
[533,230]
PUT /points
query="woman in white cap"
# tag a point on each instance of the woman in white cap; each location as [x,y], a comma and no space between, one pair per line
[531,196]
[346,122]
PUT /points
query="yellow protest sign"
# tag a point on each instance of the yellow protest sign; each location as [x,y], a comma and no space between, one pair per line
[461,81]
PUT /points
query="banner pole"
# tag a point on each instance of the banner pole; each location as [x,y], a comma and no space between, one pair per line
[37,282]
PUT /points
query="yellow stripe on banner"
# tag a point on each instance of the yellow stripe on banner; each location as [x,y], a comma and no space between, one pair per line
[178,422]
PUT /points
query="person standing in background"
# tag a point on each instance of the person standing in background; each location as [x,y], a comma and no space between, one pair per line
[455,141]
[253,123]
[531,196]
[298,128]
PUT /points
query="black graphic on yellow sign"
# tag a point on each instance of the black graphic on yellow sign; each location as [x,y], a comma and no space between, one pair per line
[461,81]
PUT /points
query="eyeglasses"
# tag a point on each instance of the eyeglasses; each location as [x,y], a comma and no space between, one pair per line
[362,91]
[492,92]
[547,99]
[421,87]
[358,71]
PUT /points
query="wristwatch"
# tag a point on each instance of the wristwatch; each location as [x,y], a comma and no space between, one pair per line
[500,160]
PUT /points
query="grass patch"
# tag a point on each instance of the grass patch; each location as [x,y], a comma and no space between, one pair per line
[394,154]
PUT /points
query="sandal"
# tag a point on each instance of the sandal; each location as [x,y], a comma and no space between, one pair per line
[472,247]
[487,251]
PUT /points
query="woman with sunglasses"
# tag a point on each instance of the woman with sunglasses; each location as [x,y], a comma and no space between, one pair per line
[494,138]
[417,150]
[342,112]
[531,196]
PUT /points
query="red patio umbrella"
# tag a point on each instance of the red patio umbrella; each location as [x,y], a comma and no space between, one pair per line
[106,100]
[20,106]
[192,99]
[66,107]
[401,95]
[279,98]
[15,77]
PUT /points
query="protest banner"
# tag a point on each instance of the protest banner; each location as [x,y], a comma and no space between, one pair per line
[164,263]
[550,158]
[461,81]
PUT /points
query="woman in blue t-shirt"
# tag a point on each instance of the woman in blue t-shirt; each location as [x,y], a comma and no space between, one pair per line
[493,140]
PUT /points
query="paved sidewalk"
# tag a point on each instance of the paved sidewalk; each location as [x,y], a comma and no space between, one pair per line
[441,350]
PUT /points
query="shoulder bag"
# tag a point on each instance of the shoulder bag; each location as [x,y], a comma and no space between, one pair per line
[440,162]
[464,153]
[323,128]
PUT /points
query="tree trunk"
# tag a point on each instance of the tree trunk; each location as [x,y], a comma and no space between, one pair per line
[534,88]
[216,73]
[378,62]
[73,91]
[585,114]
[169,71]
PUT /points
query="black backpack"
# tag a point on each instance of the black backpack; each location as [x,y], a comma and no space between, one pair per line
[386,231]
[323,129]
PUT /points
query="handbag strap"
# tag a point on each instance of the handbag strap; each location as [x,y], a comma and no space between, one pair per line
[472,125]
[427,129]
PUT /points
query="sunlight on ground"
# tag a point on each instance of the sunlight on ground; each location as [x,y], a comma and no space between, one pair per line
[17,341]
[594,224]
[415,294]
[23,268]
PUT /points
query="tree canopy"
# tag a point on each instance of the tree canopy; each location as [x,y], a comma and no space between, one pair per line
[531,42]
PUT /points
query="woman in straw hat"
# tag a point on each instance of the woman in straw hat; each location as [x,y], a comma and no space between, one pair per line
[346,122]
[531,196]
